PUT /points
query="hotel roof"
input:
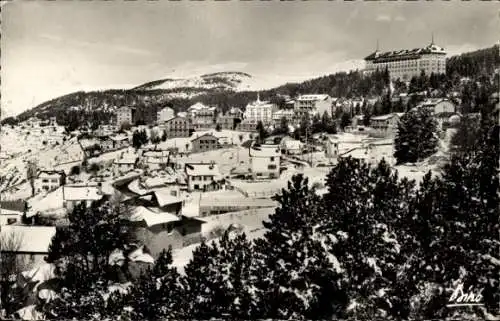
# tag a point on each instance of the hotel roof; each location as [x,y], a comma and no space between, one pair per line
[378,56]
[312,97]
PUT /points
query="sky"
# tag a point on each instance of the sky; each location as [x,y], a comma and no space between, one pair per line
[52,48]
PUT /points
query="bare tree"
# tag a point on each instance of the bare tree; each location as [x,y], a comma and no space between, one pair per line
[31,171]
[10,267]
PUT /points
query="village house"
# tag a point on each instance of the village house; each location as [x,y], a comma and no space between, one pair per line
[177,127]
[204,143]
[164,115]
[313,105]
[235,112]
[265,161]
[119,141]
[385,125]
[291,146]
[29,244]
[74,195]
[331,146]
[126,163]
[202,176]
[158,222]
[155,159]
[247,125]
[202,117]
[227,122]
[49,180]
[125,115]
[9,217]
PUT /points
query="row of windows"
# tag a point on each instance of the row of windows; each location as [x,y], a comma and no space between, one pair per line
[46,180]
[202,178]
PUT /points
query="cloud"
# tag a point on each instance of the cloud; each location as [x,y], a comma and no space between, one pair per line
[400,18]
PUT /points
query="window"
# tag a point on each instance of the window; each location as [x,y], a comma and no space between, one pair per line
[272,159]
[45,180]
[173,193]
[11,221]
[272,166]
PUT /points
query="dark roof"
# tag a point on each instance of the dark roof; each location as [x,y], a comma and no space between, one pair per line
[205,135]
[404,54]
[18,205]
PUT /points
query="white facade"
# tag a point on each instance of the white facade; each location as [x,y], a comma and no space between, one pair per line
[265,161]
[9,217]
[313,105]
[165,114]
[200,176]
[260,111]
[405,64]
[283,113]
[124,115]
[47,181]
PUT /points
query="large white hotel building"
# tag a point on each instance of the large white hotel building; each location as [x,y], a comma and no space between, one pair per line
[404,64]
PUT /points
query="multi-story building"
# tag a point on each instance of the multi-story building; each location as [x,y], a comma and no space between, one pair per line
[235,113]
[205,143]
[124,115]
[176,127]
[265,161]
[164,115]
[201,116]
[260,111]
[405,64]
[47,181]
[288,114]
[202,176]
[313,105]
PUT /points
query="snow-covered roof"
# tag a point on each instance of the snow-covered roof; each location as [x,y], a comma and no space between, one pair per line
[81,193]
[164,198]
[151,217]
[49,173]
[265,151]
[127,159]
[312,97]
[118,138]
[4,211]
[207,135]
[202,169]
[384,117]
[32,239]
[46,202]
[157,153]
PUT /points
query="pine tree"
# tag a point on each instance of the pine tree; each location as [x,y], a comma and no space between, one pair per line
[345,120]
[262,132]
[364,208]
[416,138]
[328,124]
[218,281]
[158,293]
[83,249]
[297,278]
